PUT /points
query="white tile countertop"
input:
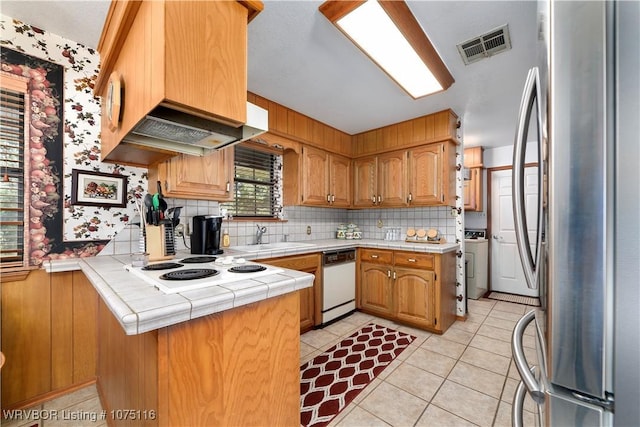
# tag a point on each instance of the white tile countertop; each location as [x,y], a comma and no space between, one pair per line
[140,307]
[329,244]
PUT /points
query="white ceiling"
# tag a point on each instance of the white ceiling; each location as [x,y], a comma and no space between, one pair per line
[299,59]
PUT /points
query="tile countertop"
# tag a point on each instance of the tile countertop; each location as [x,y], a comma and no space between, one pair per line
[329,244]
[140,307]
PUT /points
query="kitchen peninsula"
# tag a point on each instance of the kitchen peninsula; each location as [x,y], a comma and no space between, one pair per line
[213,356]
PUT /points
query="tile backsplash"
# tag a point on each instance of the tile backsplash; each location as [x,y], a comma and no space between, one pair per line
[323,223]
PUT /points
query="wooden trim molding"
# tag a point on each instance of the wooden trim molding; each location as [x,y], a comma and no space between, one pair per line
[15,275]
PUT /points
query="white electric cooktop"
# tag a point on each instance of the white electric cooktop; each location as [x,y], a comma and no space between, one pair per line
[225,269]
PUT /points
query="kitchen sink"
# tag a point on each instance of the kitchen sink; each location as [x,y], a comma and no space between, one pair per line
[272,246]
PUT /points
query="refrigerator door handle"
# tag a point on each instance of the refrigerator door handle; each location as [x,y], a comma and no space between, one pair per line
[533,387]
[517,410]
[530,96]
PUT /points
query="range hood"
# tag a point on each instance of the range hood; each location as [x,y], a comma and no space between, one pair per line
[173,130]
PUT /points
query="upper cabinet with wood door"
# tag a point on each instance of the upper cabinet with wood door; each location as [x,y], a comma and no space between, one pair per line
[432,175]
[189,56]
[472,187]
[316,177]
[380,181]
[208,177]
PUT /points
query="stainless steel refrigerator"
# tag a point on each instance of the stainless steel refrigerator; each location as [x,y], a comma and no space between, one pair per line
[581,100]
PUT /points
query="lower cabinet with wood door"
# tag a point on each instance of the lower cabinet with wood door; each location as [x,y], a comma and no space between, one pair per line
[310,298]
[409,287]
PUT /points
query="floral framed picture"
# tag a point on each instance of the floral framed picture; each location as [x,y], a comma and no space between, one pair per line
[90,188]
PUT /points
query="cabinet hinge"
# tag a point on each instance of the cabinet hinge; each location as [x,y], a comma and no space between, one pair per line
[435,277]
[435,321]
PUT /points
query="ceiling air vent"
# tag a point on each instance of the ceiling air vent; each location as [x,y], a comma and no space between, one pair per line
[485,45]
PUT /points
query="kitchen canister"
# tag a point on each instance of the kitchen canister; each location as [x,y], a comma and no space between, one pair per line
[357,233]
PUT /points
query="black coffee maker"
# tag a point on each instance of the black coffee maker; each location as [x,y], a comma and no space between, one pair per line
[205,235]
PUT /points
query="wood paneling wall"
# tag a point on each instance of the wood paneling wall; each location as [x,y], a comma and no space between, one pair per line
[49,336]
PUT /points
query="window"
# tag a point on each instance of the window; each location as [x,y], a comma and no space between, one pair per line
[256,183]
[12,151]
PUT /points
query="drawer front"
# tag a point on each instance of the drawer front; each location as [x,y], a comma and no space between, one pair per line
[376,256]
[415,260]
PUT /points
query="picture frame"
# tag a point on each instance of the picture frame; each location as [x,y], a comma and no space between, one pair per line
[89,188]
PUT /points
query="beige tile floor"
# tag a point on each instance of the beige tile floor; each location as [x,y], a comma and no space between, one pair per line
[464,377]
[80,408]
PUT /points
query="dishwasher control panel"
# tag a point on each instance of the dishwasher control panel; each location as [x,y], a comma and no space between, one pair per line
[339,256]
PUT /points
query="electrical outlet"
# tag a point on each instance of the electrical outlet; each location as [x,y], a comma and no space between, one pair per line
[454,212]
[380,223]
[179,231]
[308,229]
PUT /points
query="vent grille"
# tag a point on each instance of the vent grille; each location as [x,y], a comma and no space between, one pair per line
[485,45]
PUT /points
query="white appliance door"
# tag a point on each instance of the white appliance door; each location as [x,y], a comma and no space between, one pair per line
[339,290]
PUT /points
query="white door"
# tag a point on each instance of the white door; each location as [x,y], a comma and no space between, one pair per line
[506,268]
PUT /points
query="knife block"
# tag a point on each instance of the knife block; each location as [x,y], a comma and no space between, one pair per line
[158,246]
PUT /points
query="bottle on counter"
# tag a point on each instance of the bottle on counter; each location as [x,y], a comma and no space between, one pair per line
[226,241]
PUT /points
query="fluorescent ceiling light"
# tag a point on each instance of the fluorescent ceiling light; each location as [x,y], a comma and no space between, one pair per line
[389,34]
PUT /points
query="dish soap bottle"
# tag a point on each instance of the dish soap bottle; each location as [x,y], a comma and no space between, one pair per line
[226,241]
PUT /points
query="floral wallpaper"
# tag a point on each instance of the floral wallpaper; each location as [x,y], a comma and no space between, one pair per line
[72,108]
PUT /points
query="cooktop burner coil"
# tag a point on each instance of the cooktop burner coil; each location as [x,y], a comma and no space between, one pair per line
[247,269]
[198,259]
[162,266]
[190,274]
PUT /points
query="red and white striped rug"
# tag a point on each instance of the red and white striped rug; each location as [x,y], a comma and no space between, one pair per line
[330,381]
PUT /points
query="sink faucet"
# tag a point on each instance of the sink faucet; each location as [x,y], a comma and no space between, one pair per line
[259,233]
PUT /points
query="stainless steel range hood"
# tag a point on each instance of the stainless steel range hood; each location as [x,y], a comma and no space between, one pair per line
[173,130]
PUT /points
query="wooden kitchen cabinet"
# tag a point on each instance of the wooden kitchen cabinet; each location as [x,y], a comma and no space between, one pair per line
[472,190]
[472,187]
[317,178]
[376,289]
[208,177]
[415,296]
[409,287]
[374,282]
[431,171]
[145,49]
[310,298]
[380,181]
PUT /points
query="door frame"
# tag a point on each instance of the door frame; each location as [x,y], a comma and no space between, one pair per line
[489,232]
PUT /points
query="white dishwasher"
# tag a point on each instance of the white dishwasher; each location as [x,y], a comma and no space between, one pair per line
[339,283]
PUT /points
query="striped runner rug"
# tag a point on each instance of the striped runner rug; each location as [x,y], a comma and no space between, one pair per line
[518,299]
[330,381]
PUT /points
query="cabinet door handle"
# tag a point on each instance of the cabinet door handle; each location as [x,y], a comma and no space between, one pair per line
[333,198]
[228,186]
[328,198]
[410,198]
[388,273]
[374,256]
[411,259]
[373,199]
[394,275]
